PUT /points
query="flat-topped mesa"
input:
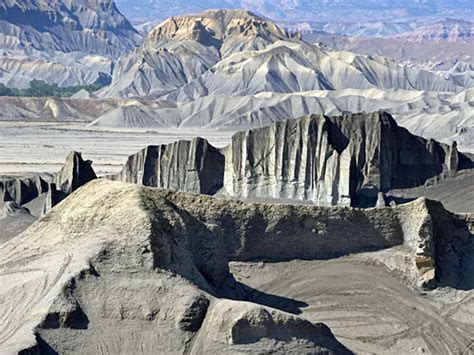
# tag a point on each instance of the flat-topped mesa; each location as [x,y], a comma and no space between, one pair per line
[215,27]
[194,166]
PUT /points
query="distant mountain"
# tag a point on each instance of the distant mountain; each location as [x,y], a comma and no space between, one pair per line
[356,29]
[183,48]
[238,53]
[439,55]
[69,42]
[89,26]
[304,10]
[450,30]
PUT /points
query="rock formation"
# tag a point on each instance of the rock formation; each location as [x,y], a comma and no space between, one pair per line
[194,166]
[67,42]
[75,173]
[344,160]
[136,273]
[140,269]
[182,48]
[237,53]
[41,192]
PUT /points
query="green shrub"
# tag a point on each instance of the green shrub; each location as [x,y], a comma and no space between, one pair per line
[40,88]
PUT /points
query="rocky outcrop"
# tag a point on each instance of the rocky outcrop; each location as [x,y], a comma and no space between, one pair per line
[135,271]
[346,160]
[333,160]
[41,192]
[194,166]
[24,190]
[75,173]
[147,269]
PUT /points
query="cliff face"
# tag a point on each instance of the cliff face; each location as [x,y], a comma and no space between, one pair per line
[183,166]
[295,159]
[332,161]
[344,160]
[42,192]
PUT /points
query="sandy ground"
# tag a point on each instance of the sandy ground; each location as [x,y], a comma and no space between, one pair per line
[27,147]
[456,194]
[369,309]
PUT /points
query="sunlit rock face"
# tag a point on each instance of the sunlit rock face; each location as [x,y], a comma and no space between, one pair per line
[345,160]
[68,42]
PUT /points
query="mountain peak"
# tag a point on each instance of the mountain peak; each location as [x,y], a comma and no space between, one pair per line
[213,27]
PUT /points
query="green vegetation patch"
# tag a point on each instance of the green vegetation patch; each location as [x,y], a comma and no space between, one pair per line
[40,88]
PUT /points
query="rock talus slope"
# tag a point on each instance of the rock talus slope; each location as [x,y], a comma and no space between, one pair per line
[141,270]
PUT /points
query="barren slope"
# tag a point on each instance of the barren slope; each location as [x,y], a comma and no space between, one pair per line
[120,268]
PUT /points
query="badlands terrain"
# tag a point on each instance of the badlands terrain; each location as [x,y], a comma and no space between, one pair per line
[230,185]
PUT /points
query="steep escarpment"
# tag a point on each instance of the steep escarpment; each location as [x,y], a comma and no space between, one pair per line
[194,166]
[143,269]
[41,192]
[346,160]
[330,161]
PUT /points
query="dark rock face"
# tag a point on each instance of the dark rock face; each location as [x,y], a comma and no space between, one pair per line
[24,190]
[75,173]
[42,192]
[345,160]
[194,166]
